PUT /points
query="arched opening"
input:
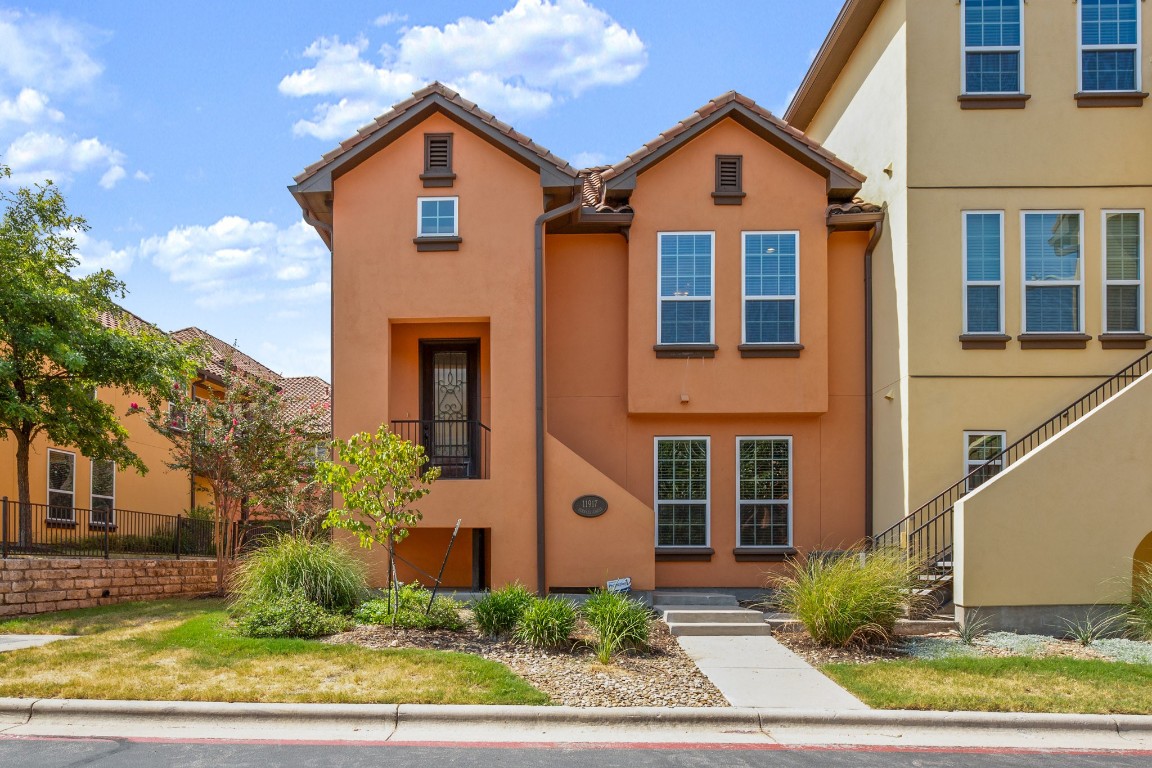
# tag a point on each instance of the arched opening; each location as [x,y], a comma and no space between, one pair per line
[1142,563]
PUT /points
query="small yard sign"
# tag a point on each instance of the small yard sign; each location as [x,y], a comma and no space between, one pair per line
[620,585]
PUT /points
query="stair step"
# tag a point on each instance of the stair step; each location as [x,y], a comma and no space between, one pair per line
[718,629]
[682,615]
[679,599]
[903,628]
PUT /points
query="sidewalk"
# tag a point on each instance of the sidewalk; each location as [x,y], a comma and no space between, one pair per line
[16,642]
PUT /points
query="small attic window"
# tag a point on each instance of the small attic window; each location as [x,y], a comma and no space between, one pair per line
[729,180]
[438,160]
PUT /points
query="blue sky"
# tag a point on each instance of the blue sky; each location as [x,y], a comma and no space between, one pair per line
[174,128]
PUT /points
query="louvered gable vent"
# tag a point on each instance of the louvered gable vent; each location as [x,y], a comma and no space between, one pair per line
[729,180]
[438,160]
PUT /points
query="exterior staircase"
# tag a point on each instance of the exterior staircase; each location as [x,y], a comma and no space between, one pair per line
[925,536]
[698,613]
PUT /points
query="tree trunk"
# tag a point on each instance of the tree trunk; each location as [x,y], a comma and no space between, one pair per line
[222,519]
[23,490]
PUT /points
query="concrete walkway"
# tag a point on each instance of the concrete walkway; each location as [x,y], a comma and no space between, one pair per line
[16,642]
[759,672]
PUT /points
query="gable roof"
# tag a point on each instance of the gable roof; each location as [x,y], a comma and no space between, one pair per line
[220,351]
[837,48]
[843,180]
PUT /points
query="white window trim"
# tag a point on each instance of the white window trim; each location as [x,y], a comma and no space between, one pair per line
[656,491]
[49,490]
[744,297]
[969,465]
[966,283]
[1025,283]
[1105,282]
[1081,48]
[92,495]
[791,492]
[455,216]
[965,49]
[661,299]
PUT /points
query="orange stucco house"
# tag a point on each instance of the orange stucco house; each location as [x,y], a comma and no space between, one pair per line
[653,370]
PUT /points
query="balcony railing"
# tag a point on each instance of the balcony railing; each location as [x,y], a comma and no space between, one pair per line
[459,448]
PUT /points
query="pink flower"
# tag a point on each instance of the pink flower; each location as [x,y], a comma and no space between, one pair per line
[233,422]
[134,407]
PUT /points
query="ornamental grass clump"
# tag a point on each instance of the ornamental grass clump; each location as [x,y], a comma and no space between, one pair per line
[620,623]
[1140,612]
[408,608]
[324,573]
[854,599]
[546,623]
[498,611]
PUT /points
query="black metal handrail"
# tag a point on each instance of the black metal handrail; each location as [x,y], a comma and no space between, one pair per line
[926,534]
[459,447]
[65,531]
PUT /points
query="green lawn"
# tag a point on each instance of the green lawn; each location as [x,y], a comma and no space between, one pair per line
[1017,684]
[185,651]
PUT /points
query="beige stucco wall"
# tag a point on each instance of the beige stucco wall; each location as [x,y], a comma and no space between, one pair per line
[1058,528]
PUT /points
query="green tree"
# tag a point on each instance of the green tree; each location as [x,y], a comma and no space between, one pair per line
[256,449]
[379,477]
[55,351]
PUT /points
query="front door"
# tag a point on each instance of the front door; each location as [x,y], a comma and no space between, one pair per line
[450,405]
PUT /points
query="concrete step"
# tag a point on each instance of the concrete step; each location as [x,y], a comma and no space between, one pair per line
[903,628]
[721,629]
[682,615]
[678,599]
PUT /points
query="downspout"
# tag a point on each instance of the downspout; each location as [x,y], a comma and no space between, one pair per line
[877,232]
[541,220]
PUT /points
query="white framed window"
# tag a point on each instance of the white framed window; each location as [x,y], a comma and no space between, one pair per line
[983,271]
[682,485]
[764,491]
[685,310]
[103,493]
[177,419]
[993,46]
[61,486]
[1053,271]
[436,217]
[1123,249]
[1109,45]
[982,449]
[771,300]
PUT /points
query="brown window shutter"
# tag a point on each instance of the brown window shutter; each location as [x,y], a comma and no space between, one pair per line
[438,160]
[729,180]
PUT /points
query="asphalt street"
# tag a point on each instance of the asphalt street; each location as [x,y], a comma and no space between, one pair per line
[31,752]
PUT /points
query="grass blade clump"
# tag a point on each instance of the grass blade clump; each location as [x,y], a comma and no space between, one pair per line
[620,623]
[410,609]
[325,573]
[973,627]
[547,623]
[498,612]
[847,600]
[1140,612]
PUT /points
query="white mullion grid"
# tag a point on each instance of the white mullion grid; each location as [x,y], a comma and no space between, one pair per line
[970,464]
[1025,283]
[740,501]
[965,49]
[93,495]
[660,298]
[1138,282]
[50,490]
[745,297]
[964,267]
[1081,47]
[420,216]
[656,500]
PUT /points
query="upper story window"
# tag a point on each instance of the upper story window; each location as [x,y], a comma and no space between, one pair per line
[982,452]
[1053,272]
[764,506]
[993,46]
[436,216]
[1109,45]
[438,160]
[1123,271]
[61,486]
[682,497]
[729,180]
[685,276]
[983,272]
[771,290]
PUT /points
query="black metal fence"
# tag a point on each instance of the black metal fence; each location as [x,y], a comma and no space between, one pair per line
[459,448]
[40,529]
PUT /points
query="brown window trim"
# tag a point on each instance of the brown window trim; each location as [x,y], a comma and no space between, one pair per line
[763,554]
[101,526]
[684,554]
[54,523]
[685,350]
[729,194]
[1090,99]
[993,100]
[1124,340]
[1053,340]
[984,340]
[437,178]
[770,350]
[437,243]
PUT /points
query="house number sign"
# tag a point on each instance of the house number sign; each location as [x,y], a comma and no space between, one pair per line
[590,506]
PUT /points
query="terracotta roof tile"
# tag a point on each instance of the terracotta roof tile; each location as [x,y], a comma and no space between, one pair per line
[856,206]
[220,351]
[309,395]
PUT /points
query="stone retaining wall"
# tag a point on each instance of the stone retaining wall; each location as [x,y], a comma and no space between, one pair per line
[39,585]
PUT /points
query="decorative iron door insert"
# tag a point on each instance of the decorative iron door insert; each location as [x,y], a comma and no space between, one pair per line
[450,405]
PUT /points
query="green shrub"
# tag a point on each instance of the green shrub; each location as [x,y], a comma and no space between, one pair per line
[498,612]
[847,600]
[326,574]
[288,615]
[1140,612]
[620,623]
[546,623]
[409,610]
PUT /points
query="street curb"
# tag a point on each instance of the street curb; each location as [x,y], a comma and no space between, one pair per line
[29,711]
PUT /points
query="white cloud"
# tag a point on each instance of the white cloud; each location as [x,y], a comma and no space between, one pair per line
[141,176]
[517,63]
[112,176]
[29,107]
[307,354]
[589,159]
[37,155]
[49,52]
[388,19]
[99,254]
